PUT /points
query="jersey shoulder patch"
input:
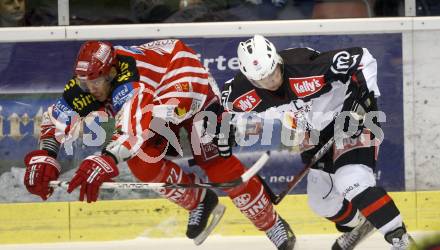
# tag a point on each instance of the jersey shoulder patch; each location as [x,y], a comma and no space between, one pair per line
[240,95]
[247,101]
[62,112]
[121,94]
[346,60]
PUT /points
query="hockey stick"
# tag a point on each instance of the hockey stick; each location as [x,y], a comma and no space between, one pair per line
[276,199]
[246,176]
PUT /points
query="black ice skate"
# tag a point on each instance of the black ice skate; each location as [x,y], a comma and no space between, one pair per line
[349,240]
[281,235]
[197,229]
[399,239]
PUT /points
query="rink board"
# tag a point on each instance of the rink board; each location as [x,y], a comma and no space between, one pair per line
[25,96]
[119,220]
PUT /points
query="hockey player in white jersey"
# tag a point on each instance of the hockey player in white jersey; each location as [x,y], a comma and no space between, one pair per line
[314,88]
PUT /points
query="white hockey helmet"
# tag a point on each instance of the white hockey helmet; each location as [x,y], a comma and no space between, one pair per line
[257,58]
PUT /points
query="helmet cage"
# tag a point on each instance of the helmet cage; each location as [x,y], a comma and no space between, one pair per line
[260,83]
[257,58]
[98,81]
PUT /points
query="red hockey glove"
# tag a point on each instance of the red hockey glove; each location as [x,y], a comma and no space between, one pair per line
[40,170]
[93,171]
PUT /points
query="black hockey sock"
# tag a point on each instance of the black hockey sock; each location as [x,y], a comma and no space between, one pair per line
[376,205]
[344,216]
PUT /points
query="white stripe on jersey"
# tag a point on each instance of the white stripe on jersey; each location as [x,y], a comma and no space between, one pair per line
[149,66]
[184,54]
[148,81]
[193,95]
[202,81]
[125,119]
[138,116]
[187,69]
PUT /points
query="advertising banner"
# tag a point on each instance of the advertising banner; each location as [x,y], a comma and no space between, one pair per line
[32,76]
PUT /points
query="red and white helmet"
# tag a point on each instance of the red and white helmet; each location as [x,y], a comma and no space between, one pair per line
[257,58]
[95,59]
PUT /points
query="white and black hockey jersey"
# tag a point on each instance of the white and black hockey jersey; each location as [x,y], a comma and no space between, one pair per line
[313,82]
[314,88]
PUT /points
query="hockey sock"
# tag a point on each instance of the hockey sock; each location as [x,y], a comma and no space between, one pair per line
[346,218]
[378,207]
[250,198]
[187,198]
[253,201]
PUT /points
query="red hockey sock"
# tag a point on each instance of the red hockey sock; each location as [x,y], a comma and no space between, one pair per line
[250,198]
[253,201]
[187,198]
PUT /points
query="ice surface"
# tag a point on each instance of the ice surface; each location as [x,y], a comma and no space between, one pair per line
[305,242]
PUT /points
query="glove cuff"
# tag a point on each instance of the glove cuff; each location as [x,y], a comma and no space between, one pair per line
[106,162]
[38,152]
[107,153]
[41,156]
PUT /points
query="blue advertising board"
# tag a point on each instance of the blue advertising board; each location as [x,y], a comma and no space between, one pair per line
[31,70]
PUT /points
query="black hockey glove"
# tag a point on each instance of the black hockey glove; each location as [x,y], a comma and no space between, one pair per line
[224,137]
[359,100]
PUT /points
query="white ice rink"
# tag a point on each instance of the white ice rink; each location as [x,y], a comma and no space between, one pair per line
[305,242]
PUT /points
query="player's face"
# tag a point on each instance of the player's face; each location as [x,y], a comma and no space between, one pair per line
[99,88]
[273,81]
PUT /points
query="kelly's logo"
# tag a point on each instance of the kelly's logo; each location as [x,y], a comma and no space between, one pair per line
[247,101]
[306,86]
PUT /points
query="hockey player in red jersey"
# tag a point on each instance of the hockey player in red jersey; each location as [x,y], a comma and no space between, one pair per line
[153,90]
[313,88]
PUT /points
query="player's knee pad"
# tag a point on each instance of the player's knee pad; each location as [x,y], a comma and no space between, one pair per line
[148,163]
[351,180]
[322,196]
[253,201]
[377,206]
[223,169]
[144,171]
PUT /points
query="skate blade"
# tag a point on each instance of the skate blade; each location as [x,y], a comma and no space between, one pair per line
[216,214]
